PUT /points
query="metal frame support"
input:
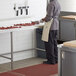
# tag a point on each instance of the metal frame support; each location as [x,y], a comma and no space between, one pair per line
[11,39]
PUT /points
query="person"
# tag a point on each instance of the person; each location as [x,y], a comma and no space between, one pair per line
[53,11]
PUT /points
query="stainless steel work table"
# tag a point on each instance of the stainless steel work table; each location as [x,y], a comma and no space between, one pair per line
[11,38]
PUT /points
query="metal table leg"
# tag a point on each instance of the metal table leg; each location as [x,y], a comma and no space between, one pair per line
[11,39]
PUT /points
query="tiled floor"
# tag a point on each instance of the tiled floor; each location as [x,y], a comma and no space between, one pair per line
[21,64]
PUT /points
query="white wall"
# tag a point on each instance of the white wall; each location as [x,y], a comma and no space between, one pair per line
[68,5]
[7,8]
[37,9]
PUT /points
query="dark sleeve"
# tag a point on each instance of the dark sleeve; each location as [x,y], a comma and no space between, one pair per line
[50,9]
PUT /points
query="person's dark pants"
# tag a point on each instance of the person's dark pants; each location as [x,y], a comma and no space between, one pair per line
[51,47]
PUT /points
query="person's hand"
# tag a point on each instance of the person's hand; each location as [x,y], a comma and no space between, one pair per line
[42,20]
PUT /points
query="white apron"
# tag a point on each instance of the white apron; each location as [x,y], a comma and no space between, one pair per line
[46,29]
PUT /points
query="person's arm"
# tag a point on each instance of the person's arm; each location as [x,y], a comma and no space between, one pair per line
[50,9]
